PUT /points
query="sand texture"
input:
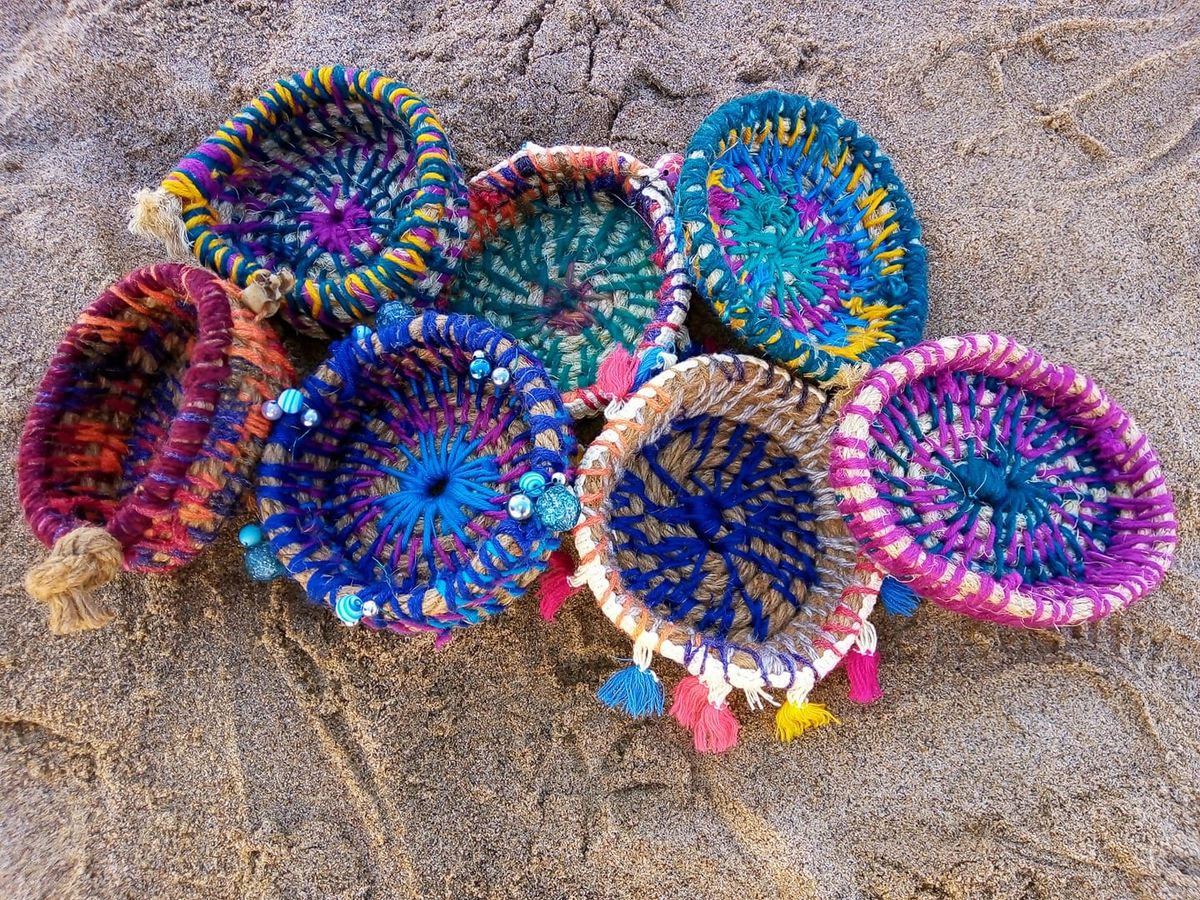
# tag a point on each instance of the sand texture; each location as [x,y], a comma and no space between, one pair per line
[223,739]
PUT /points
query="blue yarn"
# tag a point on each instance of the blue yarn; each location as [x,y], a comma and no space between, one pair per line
[703,528]
[898,598]
[635,690]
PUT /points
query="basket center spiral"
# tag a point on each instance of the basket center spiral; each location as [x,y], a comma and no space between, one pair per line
[983,471]
[570,274]
[323,193]
[418,468]
[716,525]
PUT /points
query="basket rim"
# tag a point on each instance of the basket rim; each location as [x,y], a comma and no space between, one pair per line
[498,193]
[331,303]
[965,588]
[625,434]
[322,570]
[199,401]
[733,301]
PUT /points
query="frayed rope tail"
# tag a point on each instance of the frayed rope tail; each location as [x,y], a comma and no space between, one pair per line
[158,215]
[80,562]
[635,690]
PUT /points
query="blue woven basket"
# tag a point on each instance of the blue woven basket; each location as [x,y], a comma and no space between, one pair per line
[417,481]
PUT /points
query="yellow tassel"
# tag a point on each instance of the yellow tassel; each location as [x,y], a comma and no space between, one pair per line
[792,719]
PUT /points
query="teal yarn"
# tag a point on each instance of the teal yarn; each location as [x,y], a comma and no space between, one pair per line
[799,233]
[635,690]
[573,251]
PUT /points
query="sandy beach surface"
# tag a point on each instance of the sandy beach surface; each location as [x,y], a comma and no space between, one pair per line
[223,739]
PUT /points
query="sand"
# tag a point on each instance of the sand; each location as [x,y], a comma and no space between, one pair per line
[225,740]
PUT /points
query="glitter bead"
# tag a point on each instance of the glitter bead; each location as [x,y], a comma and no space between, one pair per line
[262,564]
[480,368]
[271,411]
[349,609]
[520,507]
[251,535]
[533,484]
[393,313]
[360,333]
[501,376]
[558,508]
[311,418]
[291,401]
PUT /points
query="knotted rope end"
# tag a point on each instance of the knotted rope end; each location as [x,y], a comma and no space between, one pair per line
[267,291]
[80,562]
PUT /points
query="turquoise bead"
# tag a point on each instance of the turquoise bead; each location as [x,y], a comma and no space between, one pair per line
[360,333]
[262,564]
[558,508]
[349,609]
[251,535]
[291,401]
[480,368]
[533,484]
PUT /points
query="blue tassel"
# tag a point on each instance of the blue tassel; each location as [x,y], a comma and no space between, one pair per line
[635,690]
[898,598]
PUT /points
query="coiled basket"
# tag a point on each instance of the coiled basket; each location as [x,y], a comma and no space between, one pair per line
[711,537]
[417,481]
[981,476]
[799,233]
[573,251]
[333,192]
[143,433]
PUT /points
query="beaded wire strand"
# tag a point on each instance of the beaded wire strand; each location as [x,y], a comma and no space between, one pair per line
[143,433]
[332,193]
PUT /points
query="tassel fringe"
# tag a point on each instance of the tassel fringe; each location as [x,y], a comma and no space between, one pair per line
[635,690]
[898,598]
[862,671]
[713,725]
[793,719]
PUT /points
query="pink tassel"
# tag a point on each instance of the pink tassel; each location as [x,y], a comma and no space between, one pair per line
[862,670]
[615,378]
[555,587]
[714,728]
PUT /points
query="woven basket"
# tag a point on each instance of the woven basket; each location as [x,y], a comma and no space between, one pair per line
[143,433]
[800,234]
[573,252]
[420,484]
[335,191]
[997,484]
[711,537]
